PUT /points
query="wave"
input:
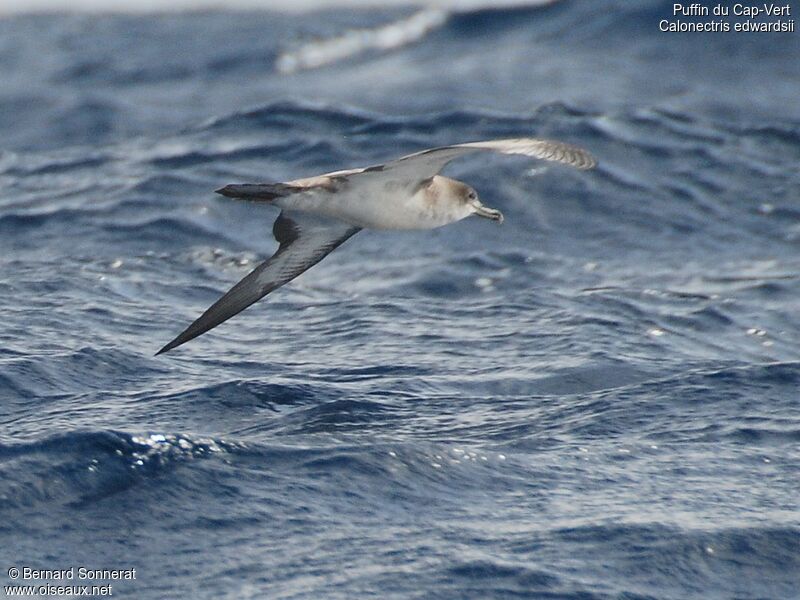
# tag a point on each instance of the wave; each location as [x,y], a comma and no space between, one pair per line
[309,55]
[355,41]
[150,6]
[84,466]
[81,466]
[651,556]
[397,34]
[307,115]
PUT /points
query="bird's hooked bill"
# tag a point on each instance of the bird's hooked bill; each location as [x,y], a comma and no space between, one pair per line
[489,213]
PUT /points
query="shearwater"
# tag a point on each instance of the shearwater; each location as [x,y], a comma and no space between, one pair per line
[320,213]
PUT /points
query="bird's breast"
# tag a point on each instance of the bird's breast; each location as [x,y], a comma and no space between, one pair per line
[396,207]
[384,206]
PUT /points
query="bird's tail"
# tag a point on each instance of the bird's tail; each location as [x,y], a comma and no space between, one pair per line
[257,192]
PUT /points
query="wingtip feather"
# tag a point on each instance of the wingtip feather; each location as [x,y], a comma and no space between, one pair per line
[173,344]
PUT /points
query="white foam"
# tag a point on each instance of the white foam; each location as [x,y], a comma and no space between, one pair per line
[311,54]
[355,41]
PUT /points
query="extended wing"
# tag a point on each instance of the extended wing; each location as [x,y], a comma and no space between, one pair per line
[414,168]
[427,163]
[304,241]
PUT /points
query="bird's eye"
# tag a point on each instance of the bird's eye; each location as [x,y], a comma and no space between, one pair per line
[472,195]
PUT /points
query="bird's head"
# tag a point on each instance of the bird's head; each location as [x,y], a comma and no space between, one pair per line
[449,200]
[468,196]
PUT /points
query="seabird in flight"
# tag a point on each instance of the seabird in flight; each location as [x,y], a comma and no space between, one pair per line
[320,213]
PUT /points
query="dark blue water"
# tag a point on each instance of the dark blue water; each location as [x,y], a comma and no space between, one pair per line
[596,399]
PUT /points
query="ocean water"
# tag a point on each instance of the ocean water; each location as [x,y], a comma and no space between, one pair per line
[596,399]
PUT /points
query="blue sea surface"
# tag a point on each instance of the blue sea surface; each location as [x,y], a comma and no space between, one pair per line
[597,399]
